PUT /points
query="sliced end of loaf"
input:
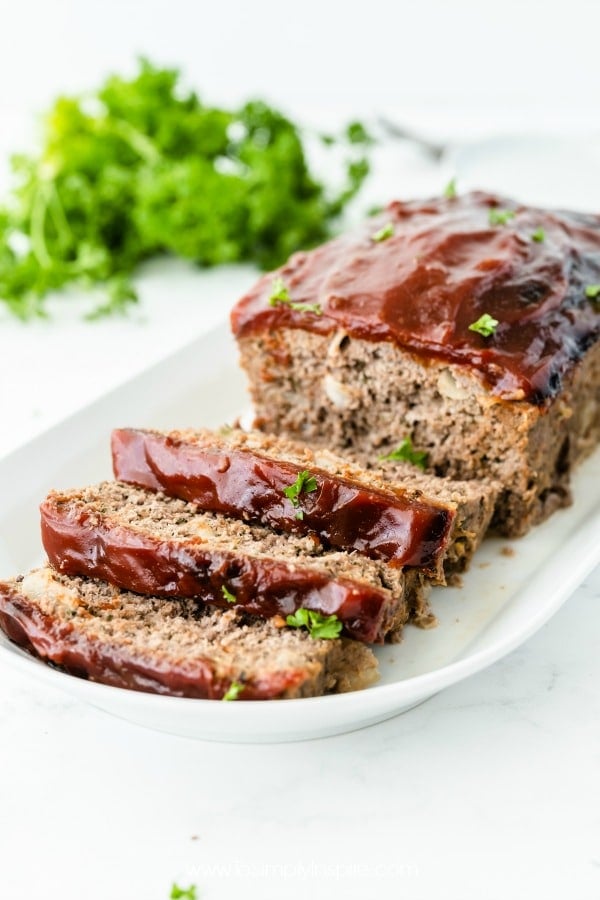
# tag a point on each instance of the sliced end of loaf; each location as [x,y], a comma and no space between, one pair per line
[172,647]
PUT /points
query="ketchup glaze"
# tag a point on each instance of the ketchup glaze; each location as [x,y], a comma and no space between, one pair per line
[446,263]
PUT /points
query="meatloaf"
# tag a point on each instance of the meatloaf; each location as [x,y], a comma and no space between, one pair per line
[175,647]
[251,475]
[467,324]
[145,542]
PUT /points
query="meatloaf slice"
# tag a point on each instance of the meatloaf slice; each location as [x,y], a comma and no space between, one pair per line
[145,542]
[175,647]
[246,475]
[468,324]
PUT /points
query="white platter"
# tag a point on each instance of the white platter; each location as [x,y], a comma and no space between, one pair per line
[512,590]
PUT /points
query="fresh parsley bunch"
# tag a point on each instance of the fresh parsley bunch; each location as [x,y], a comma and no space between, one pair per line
[142,168]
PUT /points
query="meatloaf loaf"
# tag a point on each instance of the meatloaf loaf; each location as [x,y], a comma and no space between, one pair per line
[145,542]
[255,477]
[468,324]
[175,647]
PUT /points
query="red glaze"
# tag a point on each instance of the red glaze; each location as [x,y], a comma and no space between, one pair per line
[78,654]
[443,268]
[245,484]
[79,543]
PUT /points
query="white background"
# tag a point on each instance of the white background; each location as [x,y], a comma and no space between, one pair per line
[452,70]
[535,56]
[489,791]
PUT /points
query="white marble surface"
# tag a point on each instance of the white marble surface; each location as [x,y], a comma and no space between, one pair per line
[489,790]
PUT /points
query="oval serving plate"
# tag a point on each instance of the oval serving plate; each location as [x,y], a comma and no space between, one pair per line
[512,590]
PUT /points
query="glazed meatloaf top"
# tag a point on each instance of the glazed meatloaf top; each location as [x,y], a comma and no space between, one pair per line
[175,647]
[421,273]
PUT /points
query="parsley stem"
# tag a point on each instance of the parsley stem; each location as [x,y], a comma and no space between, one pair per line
[56,209]
[138,142]
[38,226]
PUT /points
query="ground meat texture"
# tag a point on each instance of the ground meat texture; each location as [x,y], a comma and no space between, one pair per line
[174,647]
[145,542]
[389,394]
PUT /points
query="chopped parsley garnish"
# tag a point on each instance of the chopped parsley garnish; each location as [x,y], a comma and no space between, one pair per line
[485,325]
[356,133]
[304,483]
[539,235]
[179,893]
[592,291]
[384,233]
[406,453]
[318,626]
[450,189]
[233,691]
[281,295]
[500,216]
[231,598]
[308,307]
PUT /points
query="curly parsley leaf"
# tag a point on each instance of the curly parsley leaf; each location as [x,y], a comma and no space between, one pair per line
[485,325]
[356,133]
[280,295]
[384,233]
[179,893]
[317,625]
[406,453]
[450,190]
[592,291]
[304,483]
[500,216]
[119,297]
[233,691]
[231,598]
